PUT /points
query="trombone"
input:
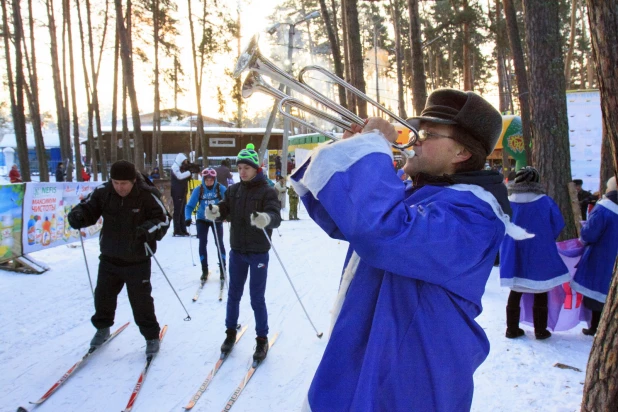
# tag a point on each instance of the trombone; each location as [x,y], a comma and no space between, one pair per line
[251,59]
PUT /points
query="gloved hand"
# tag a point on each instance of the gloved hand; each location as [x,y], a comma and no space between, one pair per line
[260,219]
[212,212]
[188,222]
[141,234]
[76,219]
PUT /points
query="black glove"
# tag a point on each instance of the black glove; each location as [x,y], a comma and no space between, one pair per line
[141,234]
[188,222]
[76,219]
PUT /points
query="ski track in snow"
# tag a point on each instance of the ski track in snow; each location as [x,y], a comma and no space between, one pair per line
[46,329]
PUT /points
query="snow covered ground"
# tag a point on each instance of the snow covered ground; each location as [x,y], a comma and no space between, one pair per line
[46,328]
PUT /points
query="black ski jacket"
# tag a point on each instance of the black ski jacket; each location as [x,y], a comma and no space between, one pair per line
[239,202]
[127,221]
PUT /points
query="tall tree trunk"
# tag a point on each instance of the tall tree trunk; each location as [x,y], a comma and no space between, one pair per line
[356,54]
[396,18]
[95,88]
[350,98]
[601,387]
[520,73]
[571,45]
[419,81]
[76,144]
[70,165]
[113,144]
[197,74]
[503,97]
[127,69]
[335,49]
[126,136]
[550,128]
[156,127]
[467,51]
[16,86]
[63,133]
[32,93]
[91,145]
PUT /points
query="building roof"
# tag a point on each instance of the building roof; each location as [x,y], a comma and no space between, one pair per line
[51,139]
[208,130]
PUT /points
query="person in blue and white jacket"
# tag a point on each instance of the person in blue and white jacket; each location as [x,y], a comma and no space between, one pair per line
[403,336]
[595,269]
[534,265]
[210,192]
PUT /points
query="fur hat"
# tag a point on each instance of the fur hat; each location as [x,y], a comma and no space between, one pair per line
[467,110]
[123,170]
[527,174]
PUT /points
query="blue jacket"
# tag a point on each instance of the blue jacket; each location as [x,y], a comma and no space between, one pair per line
[209,197]
[404,336]
[600,235]
[533,265]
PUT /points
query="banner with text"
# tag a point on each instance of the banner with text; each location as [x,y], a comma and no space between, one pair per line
[11,200]
[46,206]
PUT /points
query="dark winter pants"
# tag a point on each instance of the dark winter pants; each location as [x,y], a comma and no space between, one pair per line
[180,202]
[202,234]
[539,308]
[240,265]
[110,281]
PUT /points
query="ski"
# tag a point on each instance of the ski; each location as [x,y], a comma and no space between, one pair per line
[212,373]
[142,376]
[246,379]
[75,367]
[199,289]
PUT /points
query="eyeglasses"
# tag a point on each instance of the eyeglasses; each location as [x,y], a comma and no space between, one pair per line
[209,172]
[424,135]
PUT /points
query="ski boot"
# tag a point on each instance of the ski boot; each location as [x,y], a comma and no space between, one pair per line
[261,349]
[204,277]
[99,338]
[152,346]
[229,342]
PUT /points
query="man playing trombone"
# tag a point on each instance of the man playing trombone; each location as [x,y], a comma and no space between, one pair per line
[403,334]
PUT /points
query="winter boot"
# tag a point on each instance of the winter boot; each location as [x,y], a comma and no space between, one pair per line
[539,317]
[512,323]
[261,348]
[204,277]
[99,337]
[594,324]
[230,341]
[152,346]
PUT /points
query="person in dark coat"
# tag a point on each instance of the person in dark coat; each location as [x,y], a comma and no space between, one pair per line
[584,198]
[277,166]
[133,216]
[224,174]
[60,174]
[252,208]
[179,191]
[155,174]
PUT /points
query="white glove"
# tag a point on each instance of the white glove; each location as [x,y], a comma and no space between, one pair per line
[212,212]
[260,220]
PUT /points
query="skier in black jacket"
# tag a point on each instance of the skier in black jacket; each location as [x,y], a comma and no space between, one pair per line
[250,206]
[133,214]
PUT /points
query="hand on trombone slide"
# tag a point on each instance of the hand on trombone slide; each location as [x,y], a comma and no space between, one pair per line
[374,123]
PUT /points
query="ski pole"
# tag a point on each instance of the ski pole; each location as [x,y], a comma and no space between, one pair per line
[279,232]
[86,261]
[223,264]
[168,281]
[318,334]
[191,245]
